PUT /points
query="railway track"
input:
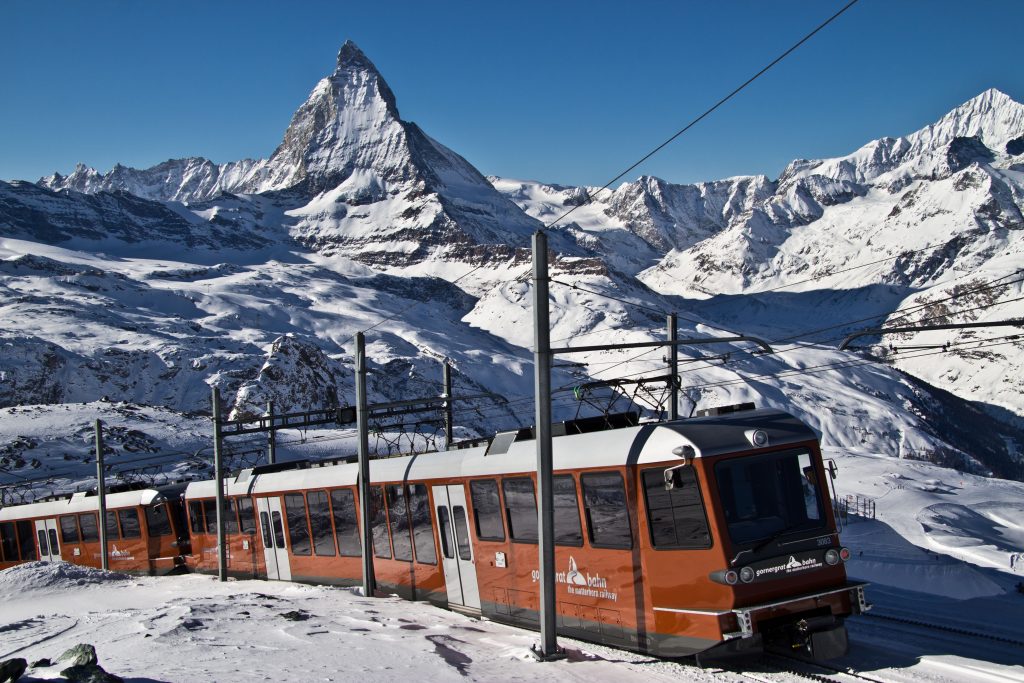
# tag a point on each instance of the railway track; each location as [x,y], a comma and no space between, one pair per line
[946,629]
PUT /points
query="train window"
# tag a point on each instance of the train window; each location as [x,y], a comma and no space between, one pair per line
[158,521]
[195,516]
[54,547]
[764,496]
[298,523]
[604,499]
[422,529]
[247,521]
[567,512]
[487,510]
[675,517]
[129,523]
[320,523]
[445,529]
[112,532]
[398,512]
[230,515]
[346,528]
[265,526]
[461,532]
[8,542]
[43,548]
[69,529]
[521,509]
[210,512]
[87,522]
[26,540]
[275,518]
[379,523]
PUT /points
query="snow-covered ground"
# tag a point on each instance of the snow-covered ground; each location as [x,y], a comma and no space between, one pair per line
[937,552]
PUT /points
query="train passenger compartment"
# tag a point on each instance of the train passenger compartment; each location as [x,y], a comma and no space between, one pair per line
[67,529]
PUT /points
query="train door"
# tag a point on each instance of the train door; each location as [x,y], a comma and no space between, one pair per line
[275,549]
[456,546]
[46,534]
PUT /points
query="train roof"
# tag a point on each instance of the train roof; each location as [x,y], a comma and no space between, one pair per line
[648,443]
[78,502]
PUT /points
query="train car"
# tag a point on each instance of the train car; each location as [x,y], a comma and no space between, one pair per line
[707,536]
[146,533]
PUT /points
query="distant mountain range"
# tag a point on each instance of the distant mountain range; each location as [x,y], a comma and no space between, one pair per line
[148,286]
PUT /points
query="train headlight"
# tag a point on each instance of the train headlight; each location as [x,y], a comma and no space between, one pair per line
[731,577]
[844,554]
[832,556]
[746,574]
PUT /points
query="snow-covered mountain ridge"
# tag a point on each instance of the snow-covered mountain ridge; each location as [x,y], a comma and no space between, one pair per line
[896,224]
[150,286]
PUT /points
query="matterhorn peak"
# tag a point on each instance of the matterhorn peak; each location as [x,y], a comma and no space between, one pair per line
[351,57]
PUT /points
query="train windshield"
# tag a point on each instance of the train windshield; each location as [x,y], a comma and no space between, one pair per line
[764,496]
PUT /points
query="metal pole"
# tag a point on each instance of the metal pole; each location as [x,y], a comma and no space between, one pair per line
[363,451]
[271,436]
[545,496]
[673,368]
[101,492]
[449,419]
[218,476]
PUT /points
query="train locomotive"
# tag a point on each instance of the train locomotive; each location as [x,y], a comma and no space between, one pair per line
[708,536]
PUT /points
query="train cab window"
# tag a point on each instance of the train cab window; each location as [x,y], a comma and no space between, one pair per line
[767,495]
[26,540]
[567,512]
[246,518]
[346,527]
[112,532]
[320,523]
[398,513]
[230,515]
[520,509]
[298,523]
[210,512]
[422,529]
[87,522]
[8,542]
[129,523]
[604,499]
[158,521]
[445,531]
[487,510]
[195,516]
[379,524]
[675,517]
[461,532]
[69,529]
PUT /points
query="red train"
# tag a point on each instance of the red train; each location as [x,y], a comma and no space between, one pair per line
[705,536]
[146,531]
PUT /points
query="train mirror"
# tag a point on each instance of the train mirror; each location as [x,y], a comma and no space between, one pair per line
[673,476]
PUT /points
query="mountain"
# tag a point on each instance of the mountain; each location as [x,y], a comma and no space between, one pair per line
[898,225]
[351,178]
[148,287]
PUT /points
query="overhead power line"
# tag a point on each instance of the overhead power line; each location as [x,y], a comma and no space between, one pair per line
[715,106]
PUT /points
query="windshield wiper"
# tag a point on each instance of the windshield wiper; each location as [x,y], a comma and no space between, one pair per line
[763,544]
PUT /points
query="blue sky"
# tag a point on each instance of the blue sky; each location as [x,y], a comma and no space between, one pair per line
[567,92]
